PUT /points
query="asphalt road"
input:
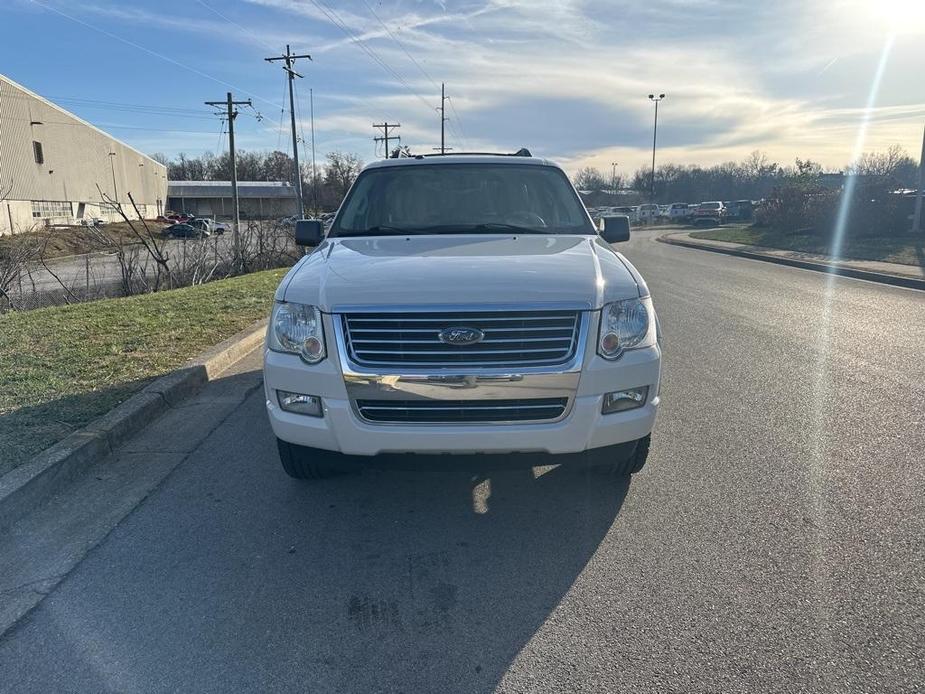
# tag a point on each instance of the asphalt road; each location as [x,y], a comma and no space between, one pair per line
[775,541]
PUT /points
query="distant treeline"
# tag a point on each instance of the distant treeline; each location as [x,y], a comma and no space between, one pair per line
[753,178]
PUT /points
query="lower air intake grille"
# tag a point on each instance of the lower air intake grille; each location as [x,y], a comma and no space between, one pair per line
[462,411]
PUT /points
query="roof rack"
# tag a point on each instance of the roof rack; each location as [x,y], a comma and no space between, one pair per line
[522,152]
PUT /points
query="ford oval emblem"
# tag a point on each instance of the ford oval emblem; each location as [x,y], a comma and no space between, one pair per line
[460,337]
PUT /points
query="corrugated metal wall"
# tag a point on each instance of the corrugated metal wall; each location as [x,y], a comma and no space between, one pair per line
[76,157]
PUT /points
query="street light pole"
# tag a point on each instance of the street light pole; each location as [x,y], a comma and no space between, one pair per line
[613,177]
[917,216]
[655,99]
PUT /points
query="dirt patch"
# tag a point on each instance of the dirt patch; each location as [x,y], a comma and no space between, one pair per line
[75,240]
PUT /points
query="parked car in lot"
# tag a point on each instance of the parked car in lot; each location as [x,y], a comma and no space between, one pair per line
[631,212]
[209,225]
[739,209]
[678,210]
[710,212]
[188,231]
[462,305]
[648,213]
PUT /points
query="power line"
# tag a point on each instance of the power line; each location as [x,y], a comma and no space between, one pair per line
[311,107]
[282,114]
[110,125]
[462,135]
[116,105]
[300,121]
[148,50]
[302,139]
[340,24]
[248,32]
[400,44]
[221,135]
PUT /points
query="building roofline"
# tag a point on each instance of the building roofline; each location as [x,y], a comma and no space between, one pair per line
[80,120]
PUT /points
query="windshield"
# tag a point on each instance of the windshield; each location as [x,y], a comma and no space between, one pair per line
[460,198]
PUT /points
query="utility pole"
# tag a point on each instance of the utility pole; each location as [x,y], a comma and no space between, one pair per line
[311,107]
[917,217]
[443,118]
[656,99]
[613,177]
[231,114]
[290,59]
[385,134]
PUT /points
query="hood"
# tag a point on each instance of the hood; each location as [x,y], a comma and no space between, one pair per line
[460,270]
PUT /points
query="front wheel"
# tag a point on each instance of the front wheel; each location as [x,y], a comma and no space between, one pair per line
[303,463]
[635,462]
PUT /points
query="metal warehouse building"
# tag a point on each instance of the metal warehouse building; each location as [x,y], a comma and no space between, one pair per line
[258,199]
[51,163]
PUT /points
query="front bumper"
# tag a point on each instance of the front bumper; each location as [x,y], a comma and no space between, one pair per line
[582,429]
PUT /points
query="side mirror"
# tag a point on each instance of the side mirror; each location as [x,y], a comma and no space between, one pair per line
[615,229]
[308,232]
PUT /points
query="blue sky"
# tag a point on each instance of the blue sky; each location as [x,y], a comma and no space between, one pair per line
[566,78]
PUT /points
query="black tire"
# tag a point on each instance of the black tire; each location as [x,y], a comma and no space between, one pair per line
[635,462]
[303,463]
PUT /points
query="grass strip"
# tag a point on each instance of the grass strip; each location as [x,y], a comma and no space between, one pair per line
[62,367]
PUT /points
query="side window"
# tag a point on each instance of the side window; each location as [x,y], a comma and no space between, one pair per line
[37,152]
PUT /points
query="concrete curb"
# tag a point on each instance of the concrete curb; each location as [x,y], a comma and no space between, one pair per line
[828,268]
[24,488]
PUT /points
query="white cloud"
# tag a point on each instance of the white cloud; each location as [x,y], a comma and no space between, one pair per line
[790,78]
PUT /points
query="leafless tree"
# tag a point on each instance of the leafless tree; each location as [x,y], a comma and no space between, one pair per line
[15,256]
[149,239]
[894,165]
[590,178]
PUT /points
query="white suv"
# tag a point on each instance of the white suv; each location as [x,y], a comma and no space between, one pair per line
[462,305]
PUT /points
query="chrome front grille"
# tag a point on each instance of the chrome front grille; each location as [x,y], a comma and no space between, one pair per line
[511,338]
[461,411]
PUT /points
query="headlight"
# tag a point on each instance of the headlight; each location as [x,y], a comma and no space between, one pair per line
[625,325]
[296,329]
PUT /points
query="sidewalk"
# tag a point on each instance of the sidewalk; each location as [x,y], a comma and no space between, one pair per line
[873,270]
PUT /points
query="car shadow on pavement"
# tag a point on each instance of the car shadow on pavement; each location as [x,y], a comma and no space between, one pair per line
[436,581]
[234,577]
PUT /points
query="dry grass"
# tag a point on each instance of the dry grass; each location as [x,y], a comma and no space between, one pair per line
[905,249]
[74,240]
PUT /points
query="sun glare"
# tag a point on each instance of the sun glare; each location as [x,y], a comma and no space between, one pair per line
[900,16]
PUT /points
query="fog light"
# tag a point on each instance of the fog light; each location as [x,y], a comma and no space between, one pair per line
[622,400]
[299,403]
